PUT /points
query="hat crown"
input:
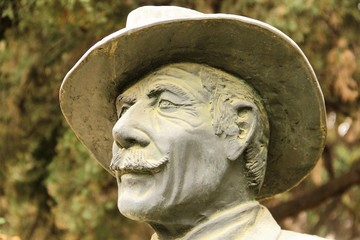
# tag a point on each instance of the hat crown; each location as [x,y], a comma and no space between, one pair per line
[151,14]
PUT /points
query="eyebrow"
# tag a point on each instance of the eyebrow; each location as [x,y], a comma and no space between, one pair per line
[162,87]
[125,99]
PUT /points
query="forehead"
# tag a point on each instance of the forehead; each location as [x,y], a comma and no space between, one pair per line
[168,77]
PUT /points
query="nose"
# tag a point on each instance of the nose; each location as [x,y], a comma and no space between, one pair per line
[129,129]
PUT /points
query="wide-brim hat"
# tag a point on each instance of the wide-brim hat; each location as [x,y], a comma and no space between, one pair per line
[258,53]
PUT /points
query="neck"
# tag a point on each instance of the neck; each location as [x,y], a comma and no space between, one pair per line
[169,232]
[237,219]
[228,196]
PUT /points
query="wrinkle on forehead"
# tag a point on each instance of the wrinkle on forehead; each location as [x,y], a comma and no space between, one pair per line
[172,77]
[181,71]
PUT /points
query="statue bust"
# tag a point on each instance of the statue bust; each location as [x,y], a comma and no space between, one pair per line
[198,116]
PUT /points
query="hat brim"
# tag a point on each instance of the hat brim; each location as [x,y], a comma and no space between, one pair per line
[257,52]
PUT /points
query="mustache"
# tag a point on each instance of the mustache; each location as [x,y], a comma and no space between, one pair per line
[134,161]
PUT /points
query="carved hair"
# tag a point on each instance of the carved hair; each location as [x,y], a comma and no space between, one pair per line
[225,89]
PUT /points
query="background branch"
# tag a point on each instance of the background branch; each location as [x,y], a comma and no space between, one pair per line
[313,198]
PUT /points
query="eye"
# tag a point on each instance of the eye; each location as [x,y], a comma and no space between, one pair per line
[166,104]
[123,111]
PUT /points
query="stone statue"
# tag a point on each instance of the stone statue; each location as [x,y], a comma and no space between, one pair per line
[198,116]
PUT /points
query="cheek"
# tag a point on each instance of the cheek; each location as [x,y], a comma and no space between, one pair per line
[195,170]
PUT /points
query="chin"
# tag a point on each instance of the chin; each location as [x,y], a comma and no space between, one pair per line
[130,212]
[140,213]
[143,208]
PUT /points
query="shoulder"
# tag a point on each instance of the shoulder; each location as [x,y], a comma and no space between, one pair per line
[289,235]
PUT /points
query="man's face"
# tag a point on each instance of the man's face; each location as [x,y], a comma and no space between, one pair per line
[166,154]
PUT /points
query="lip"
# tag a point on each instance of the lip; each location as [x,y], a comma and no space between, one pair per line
[133,175]
[122,172]
[133,178]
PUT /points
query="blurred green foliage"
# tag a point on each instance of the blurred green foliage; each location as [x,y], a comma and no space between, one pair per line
[50,188]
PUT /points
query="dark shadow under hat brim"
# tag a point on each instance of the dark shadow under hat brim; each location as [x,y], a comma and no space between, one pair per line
[260,54]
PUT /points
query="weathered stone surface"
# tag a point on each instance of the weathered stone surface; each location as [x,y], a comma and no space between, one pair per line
[205,113]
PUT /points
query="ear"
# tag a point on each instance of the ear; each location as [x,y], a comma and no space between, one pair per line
[245,124]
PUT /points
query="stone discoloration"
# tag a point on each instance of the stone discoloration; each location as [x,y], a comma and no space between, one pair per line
[208,112]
